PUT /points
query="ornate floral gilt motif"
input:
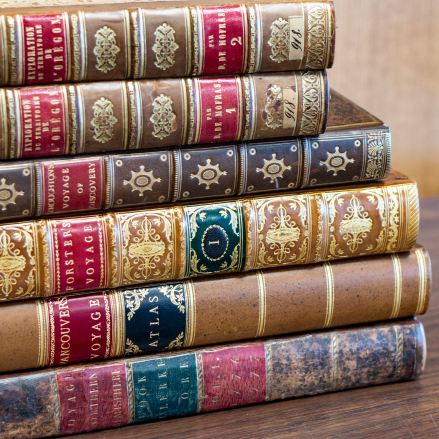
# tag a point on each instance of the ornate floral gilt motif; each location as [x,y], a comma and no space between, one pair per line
[375,156]
[14,262]
[336,161]
[312,113]
[103,120]
[283,233]
[146,255]
[131,348]
[142,181]
[317,41]
[279,40]
[208,174]
[355,225]
[8,193]
[134,299]
[176,344]
[106,49]
[274,107]
[165,46]
[273,168]
[162,117]
[176,295]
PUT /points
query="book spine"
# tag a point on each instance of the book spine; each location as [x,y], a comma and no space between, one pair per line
[84,398]
[56,256]
[116,116]
[136,43]
[61,186]
[208,311]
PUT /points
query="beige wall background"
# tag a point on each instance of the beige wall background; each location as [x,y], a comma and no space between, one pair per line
[387,61]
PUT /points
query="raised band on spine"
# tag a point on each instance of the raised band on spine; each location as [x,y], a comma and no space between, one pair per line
[4,147]
[422,281]
[329,294]
[4,62]
[43,332]
[189,291]
[262,304]
[398,286]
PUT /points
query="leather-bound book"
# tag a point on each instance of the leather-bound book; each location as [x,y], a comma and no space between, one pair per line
[119,115]
[81,398]
[212,310]
[109,250]
[68,41]
[355,148]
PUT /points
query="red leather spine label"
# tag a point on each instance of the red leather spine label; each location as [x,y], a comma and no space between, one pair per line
[79,254]
[93,398]
[80,328]
[43,121]
[220,109]
[225,40]
[72,185]
[46,49]
[234,377]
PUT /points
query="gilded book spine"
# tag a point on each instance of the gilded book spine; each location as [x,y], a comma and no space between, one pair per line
[61,186]
[115,116]
[100,44]
[66,255]
[77,399]
[213,310]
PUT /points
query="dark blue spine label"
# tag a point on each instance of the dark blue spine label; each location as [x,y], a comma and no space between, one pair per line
[165,387]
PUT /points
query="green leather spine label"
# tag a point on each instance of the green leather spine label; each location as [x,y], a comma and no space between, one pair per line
[165,387]
[215,238]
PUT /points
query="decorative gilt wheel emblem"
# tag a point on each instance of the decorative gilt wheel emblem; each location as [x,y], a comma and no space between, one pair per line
[142,181]
[208,174]
[336,161]
[8,194]
[273,168]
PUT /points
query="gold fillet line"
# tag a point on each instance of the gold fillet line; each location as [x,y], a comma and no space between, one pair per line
[398,286]
[4,150]
[128,45]
[241,106]
[259,33]
[200,381]
[144,52]
[69,48]
[253,106]
[136,43]
[201,45]
[399,351]
[20,50]
[245,45]
[4,50]
[65,104]
[189,290]
[422,280]
[130,391]
[184,110]
[117,323]
[83,44]
[126,111]
[330,294]
[268,372]
[188,34]
[18,123]
[335,349]
[80,117]
[42,333]
[262,303]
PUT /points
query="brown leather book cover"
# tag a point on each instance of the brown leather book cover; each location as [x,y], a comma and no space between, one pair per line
[128,247]
[120,115]
[75,399]
[355,148]
[78,43]
[212,310]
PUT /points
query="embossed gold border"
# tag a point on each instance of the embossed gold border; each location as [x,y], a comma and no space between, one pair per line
[73,120]
[335,355]
[177,175]
[12,52]
[191,111]
[184,111]
[244,16]
[125,112]
[135,115]
[39,194]
[19,34]
[241,106]
[79,46]
[128,45]
[188,35]
[201,45]
[329,294]
[268,371]
[191,313]
[118,329]
[398,286]
[65,17]
[252,38]
[319,35]
[198,109]
[136,42]
[253,107]
[4,51]
[306,168]
[412,217]
[247,108]
[243,168]
[4,146]
[15,120]
[399,351]
[65,104]
[200,381]
[80,118]
[109,181]
[262,303]
[130,392]
[422,267]
[259,38]
[43,332]
[196,50]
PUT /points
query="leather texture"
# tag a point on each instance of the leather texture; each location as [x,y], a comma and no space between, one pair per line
[359,149]
[40,404]
[120,248]
[213,310]
[112,42]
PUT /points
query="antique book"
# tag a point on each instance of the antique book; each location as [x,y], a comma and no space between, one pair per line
[154,39]
[109,250]
[212,310]
[356,147]
[81,398]
[114,116]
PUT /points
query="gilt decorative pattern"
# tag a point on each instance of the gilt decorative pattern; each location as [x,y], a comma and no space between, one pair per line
[8,193]
[313,102]
[274,107]
[273,168]
[106,49]
[162,116]
[142,181]
[103,120]
[336,161]
[318,44]
[375,155]
[279,40]
[164,47]
[208,174]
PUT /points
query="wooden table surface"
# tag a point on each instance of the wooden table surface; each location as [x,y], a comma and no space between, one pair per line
[400,410]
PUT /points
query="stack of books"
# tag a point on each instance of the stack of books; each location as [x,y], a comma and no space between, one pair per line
[220,198]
